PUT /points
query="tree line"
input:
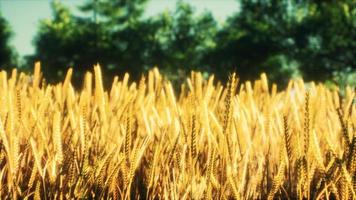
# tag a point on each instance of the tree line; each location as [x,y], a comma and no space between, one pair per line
[284,38]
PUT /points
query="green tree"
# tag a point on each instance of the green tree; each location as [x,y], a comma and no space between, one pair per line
[173,41]
[325,39]
[69,41]
[184,39]
[111,33]
[130,36]
[282,38]
[115,34]
[7,54]
[255,39]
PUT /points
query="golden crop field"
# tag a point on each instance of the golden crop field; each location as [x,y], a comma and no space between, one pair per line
[143,141]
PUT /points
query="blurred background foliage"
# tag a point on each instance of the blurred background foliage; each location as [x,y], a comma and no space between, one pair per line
[7,54]
[284,38]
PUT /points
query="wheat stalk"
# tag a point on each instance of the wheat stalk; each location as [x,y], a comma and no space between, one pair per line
[141,141]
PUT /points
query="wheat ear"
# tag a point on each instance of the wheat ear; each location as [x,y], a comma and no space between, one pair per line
[277,181]
[57,138]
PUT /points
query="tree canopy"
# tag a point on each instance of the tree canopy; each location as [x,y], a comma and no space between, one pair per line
[315,39]
[325,39]
[7,54]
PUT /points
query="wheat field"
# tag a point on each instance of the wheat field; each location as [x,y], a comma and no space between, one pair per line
[142,141]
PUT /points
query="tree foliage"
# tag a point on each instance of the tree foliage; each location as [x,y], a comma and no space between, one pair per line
[314,38]
[325,39]
[7,54]
[255,39]
[184,38]
[69,41]
[283,38]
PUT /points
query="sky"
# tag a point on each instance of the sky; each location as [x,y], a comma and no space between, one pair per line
[24,15]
